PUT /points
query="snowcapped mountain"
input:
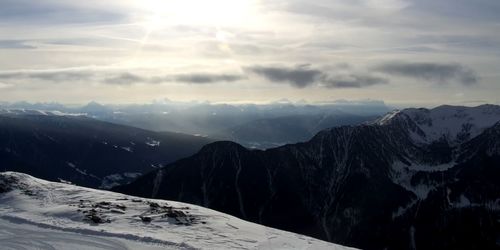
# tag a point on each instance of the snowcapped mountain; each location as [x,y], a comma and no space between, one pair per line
[454,124]
[413,179]
[70,147]
[37,214]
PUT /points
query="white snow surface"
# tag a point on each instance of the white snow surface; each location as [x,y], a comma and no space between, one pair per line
[17,234]
[37,214]
[450,122]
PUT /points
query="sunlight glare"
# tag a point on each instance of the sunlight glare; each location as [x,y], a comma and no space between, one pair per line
[198,12]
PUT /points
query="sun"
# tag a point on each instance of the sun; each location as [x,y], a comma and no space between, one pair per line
[199,12]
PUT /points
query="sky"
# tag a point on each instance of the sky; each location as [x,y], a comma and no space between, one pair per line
[403,52]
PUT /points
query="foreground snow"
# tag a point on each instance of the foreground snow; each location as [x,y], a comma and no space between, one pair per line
[36,214]
[20,235]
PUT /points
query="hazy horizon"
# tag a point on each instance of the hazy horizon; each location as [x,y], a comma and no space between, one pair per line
[285,101]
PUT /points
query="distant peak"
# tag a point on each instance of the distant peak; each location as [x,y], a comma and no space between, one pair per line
[94,104]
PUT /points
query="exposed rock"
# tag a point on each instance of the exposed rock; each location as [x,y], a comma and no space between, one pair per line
[146,219]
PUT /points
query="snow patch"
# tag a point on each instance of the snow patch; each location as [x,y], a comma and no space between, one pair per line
[402,174]
[128,149]
[59,113]
[464,202]
[41,112]
[387,117]
[80,171]
[152,142]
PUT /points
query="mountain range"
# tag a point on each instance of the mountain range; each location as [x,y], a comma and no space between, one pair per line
[412,179]
[258,126]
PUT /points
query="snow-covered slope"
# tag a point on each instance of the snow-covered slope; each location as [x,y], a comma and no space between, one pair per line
[455,124]
[37,214]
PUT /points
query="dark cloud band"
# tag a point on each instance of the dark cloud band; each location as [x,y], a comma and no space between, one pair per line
[124,78]
[299,77]
[303,76]
[353,81]
[207,78]
[434,72]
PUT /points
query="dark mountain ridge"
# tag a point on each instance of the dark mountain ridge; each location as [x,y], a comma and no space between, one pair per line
[413,179]
[85,151]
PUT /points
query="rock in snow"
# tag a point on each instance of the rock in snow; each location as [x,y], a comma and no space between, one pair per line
[37,214]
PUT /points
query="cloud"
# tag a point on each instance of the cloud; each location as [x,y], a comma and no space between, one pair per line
[207,78]
[118,78]
[435,72]
[15,44]
[471,11]
[353,81]
[61,12]
[125,79]
[192,78]
[303,76]
[52,76]
[299,77]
